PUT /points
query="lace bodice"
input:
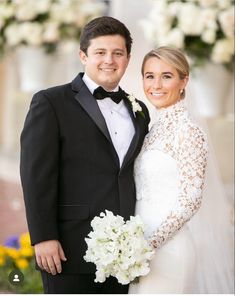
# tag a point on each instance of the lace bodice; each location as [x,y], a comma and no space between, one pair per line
[170,170]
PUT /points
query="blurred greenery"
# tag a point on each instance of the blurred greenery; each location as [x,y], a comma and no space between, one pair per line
[17,253]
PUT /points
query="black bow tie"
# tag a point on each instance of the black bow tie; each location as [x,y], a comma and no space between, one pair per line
[116,96]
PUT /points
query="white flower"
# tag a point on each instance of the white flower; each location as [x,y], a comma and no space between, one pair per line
[174,8]
[209,18]
[25,11]
[135,105]
[42,6]
[31,33]
[207,3]
[51,32]
[223,51]
[209,36]
[57,12]
[226,19]
[12,35]
[187,16]
[118,248]
[6,11]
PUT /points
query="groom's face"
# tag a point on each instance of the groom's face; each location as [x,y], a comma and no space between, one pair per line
[106,60]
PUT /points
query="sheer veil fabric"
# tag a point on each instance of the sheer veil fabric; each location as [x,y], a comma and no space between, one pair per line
[212,227]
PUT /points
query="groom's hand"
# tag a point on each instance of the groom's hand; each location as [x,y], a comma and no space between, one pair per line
[49,255]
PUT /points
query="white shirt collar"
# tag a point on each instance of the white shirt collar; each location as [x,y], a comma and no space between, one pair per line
[92,85]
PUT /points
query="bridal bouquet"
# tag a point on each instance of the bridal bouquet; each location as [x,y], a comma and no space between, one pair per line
[204,29]
[118,248]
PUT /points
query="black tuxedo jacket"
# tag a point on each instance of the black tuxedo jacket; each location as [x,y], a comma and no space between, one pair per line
[70,170]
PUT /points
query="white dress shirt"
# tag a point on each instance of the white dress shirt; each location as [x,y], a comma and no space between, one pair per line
[118,120]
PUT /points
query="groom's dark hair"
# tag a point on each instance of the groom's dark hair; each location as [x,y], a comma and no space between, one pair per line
[103,26]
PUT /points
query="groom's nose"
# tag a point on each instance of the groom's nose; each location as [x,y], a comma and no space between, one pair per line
[108,58]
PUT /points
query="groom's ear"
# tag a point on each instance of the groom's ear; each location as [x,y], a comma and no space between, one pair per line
[128,58]
[83,57]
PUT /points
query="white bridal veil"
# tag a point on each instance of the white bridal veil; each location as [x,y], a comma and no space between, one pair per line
[212,227]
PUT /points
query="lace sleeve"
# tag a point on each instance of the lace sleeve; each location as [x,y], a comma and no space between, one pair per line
[191,155]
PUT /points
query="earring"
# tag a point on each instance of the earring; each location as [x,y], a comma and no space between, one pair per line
[181,91]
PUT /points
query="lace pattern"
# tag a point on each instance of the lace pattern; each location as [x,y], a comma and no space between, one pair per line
[176,134]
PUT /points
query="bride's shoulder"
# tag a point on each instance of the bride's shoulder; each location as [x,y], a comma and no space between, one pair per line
[191,129]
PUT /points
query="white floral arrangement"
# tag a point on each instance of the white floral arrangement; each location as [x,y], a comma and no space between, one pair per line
[204,29]
[118,248]
[44,22]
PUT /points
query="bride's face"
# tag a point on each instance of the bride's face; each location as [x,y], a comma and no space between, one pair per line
[162,84]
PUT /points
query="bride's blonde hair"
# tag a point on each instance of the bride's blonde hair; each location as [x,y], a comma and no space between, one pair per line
[173,57]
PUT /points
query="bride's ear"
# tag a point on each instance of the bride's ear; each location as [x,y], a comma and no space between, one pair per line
[185,81]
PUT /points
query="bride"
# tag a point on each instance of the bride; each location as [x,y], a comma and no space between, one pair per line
[170,174]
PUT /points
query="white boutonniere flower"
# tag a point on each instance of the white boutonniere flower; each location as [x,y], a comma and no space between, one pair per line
[135,105]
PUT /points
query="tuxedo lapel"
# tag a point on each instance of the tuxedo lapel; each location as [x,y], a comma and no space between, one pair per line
[89,104]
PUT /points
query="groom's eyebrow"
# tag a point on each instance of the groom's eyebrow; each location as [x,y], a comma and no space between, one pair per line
[105,49]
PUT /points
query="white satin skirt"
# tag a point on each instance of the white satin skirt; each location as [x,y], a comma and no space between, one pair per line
[172,269]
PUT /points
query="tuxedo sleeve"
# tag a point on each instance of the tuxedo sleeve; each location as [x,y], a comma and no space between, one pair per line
[39,168]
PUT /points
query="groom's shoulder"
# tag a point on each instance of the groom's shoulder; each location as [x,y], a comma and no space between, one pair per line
[54,93]
[56,90]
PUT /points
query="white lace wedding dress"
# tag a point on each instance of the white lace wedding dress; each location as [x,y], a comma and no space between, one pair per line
[169,175]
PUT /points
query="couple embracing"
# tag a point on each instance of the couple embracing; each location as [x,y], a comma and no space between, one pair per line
[86,148]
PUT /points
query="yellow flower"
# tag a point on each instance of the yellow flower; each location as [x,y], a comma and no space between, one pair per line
[26,252]
[2,251]
[25,240]
[12,252]
[2,261]
[21,263]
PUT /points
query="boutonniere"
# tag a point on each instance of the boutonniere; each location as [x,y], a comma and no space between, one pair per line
[135,105]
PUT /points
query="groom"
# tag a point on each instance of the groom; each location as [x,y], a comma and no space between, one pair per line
[78,146]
